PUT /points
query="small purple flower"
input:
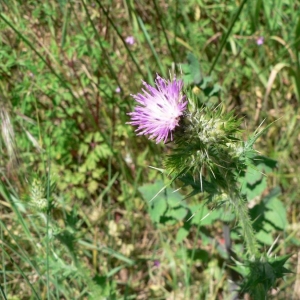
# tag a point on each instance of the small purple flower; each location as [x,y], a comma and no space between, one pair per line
[160,110]
[260,40]
[130,40]
[118,90]
[156,263]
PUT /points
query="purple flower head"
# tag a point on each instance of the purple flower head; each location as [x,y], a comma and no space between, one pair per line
[156,263]
[130,40]
[160,109]
[118,89]
[260,40]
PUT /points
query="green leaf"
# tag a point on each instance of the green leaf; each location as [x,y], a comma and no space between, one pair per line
[92,186]
[264,237]
[198,254]
[276,213]
[157,210]
[226,216]
[192,70]
[203,216]
[174,199]
[177,214]
[182,233]
[256,189]
[253,176]
[254,181]
[164,203]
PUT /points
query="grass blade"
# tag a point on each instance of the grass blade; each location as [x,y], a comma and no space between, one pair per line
[148,39]
[224,40]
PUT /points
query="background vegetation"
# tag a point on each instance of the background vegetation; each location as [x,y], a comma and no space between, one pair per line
[67,71]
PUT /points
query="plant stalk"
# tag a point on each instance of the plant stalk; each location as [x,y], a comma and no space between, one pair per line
[246,224]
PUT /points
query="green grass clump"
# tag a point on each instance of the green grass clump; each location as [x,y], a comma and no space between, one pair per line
[77,221]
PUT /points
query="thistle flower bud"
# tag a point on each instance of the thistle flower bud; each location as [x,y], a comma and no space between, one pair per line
[205,145]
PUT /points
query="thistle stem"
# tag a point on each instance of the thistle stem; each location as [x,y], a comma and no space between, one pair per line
[246,224]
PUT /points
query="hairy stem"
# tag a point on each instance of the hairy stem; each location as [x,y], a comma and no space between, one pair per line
[246,224]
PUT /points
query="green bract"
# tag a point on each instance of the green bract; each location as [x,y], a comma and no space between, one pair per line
[207,145]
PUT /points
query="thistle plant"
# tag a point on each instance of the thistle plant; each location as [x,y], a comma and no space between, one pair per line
[208,147]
